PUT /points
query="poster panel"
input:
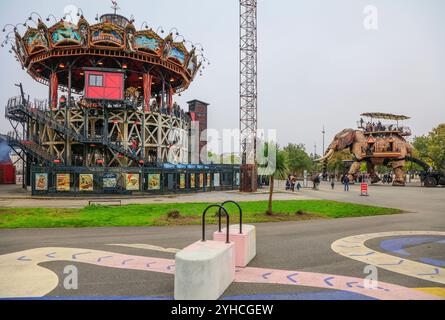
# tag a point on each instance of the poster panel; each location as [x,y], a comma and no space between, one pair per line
[182,181]
[110,181]
[209,180]
[86,182]
[201,180]
[63,182]
[41,182]
[132,181]
[154,182]
[193,181]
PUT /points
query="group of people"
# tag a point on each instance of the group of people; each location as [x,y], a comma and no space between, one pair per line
[177,111]
[292,183]
[377,127]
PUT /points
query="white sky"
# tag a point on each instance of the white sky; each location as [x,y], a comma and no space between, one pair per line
[317,63]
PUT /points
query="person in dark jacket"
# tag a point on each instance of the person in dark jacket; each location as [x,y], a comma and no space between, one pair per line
[346,182]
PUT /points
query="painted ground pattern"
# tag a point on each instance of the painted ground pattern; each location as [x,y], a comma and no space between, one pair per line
[22,277]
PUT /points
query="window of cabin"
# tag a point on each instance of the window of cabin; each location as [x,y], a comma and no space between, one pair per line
[96,80]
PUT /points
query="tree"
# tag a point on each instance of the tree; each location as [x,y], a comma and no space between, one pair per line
[298,159]
[274,165]
[431,148]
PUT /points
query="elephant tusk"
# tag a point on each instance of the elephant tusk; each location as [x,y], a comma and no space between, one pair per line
[327,156]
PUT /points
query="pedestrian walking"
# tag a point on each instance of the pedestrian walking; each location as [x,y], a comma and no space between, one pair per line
[333,184]
[346,182]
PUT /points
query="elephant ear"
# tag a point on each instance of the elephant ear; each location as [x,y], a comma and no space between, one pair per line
[346,139]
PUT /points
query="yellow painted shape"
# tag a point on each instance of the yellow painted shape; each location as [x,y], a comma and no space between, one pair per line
[440,292]
[354,248]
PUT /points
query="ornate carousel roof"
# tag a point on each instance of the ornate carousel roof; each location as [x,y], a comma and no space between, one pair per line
[112,42]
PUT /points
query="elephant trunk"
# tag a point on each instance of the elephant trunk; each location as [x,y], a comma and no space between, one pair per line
[328,156]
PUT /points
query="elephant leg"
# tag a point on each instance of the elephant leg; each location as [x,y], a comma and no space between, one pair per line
[371,171]
[354,171]
[399,173]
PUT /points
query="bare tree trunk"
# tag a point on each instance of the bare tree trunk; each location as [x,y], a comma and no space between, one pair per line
[269,210]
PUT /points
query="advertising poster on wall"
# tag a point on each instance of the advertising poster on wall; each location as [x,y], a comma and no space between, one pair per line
[209,180]
[154,182]
[86,182]
[132,181]
[238,179]
[192,181]
[217,180]
[182,181]
[63,182]
[201,180]
[110,181]
[41,182]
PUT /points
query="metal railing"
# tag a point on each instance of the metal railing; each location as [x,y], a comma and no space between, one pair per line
[18,106]
[15,139]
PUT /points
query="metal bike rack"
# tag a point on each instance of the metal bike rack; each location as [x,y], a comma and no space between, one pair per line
[221,208]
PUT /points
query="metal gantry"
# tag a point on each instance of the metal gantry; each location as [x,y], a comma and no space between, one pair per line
[248,80]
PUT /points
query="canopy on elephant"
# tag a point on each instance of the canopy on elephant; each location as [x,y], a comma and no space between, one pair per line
[385,116]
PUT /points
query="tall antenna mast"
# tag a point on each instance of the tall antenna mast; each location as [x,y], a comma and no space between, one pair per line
[248,94]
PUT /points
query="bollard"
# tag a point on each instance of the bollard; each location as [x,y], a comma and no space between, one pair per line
[205,269]
[243,236]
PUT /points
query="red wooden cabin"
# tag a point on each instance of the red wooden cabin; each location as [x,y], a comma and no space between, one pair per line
[103,84]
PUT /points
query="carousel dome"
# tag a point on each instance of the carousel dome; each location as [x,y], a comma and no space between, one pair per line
[113,43]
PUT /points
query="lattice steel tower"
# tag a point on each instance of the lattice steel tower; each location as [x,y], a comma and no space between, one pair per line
[248,93]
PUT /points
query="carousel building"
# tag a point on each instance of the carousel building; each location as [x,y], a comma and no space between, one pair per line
[109,123]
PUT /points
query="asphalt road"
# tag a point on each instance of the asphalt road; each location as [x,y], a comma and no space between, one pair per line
[303,246]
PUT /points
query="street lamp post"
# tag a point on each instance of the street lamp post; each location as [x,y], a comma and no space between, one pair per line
[324,133]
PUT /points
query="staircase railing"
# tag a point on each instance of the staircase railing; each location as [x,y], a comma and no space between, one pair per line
[18,105]
[15,140]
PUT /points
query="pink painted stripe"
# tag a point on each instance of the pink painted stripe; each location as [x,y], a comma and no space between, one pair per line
[385,291]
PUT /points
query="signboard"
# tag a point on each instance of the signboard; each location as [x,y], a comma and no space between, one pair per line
[154,182]
[209,180]
[63,182]
[110,181]
[86,182]
[132,181]
[41,183]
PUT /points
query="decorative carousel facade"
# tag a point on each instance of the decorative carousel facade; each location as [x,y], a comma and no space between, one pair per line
[110,108]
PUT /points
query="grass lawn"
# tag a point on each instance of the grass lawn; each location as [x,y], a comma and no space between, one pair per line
[190,214]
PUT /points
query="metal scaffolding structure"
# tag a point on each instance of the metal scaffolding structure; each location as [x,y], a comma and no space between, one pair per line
[248,91]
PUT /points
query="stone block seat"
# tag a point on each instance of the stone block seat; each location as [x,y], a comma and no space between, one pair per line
[245,243]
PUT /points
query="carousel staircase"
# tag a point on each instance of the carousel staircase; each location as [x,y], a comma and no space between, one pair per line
[30,148]
[19,110]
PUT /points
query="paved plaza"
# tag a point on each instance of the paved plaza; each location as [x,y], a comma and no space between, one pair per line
[318,259]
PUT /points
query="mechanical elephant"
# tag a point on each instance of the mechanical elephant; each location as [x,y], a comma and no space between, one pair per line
[388,150]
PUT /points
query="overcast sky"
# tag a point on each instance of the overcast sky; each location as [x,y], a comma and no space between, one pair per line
[318,65]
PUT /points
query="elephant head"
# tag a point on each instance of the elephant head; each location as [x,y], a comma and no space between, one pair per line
[342,141]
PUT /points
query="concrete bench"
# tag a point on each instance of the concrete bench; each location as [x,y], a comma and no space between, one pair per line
[243,236]
[205,269]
